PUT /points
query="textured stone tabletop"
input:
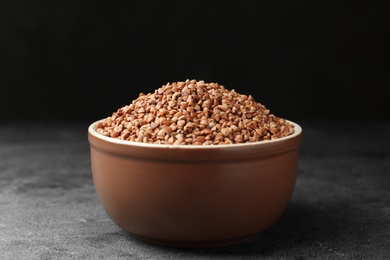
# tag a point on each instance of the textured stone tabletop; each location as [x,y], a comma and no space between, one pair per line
[340,208]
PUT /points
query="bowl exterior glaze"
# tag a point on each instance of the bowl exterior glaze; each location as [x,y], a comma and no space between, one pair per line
[186,196]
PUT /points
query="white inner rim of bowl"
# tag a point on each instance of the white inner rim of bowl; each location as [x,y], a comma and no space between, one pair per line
[92,127]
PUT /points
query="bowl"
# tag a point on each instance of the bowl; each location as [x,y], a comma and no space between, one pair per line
[194,196]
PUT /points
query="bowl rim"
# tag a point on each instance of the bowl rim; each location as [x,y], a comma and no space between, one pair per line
[91,130]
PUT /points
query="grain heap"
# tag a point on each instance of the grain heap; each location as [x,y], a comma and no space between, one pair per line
[194,113]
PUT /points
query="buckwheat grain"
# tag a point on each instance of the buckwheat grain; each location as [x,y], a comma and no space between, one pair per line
[193,112]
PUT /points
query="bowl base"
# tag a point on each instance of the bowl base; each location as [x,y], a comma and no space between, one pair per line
[193,244]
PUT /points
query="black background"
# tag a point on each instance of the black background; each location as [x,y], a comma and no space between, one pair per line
[64,60]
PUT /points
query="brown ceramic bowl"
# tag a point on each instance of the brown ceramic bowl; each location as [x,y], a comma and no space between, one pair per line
[194,196]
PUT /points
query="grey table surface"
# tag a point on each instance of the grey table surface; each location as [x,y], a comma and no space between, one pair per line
[340,208]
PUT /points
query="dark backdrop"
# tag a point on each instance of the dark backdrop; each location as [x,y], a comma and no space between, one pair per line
[68,60]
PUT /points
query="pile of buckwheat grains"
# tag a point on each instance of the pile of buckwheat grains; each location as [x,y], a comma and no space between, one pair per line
[193,112]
